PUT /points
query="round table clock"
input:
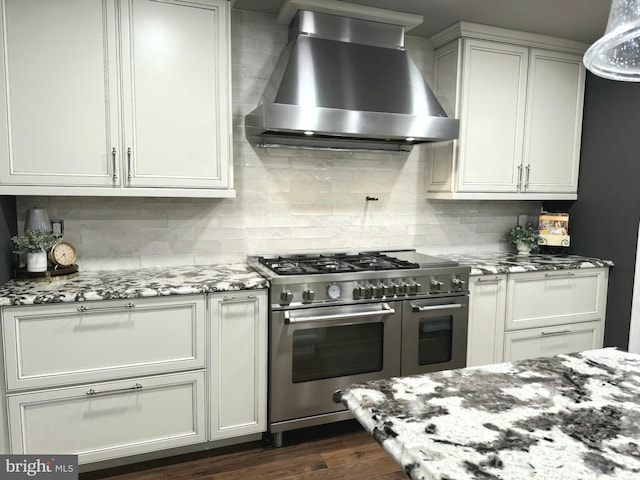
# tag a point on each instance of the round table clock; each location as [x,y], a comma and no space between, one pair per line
[62,254]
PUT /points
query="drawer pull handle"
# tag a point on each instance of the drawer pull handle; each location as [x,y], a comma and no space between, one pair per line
[92,393]
[251,298]
[559,275]
[550,334]
[83,308]
[488,280]
[429,308]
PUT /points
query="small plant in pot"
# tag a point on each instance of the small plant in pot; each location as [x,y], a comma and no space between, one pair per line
[34,246]
[524,237]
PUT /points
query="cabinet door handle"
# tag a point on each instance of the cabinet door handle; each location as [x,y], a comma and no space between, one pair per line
[551,334]
[83,308]
[113,159]
[251,298]
[559,275]
[93,393]
[526,177]
[519,186]
[129,164]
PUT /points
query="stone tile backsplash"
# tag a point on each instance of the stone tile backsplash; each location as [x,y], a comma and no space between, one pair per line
[287,200]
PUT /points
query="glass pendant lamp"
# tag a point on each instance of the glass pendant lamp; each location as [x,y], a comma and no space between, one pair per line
[617,54]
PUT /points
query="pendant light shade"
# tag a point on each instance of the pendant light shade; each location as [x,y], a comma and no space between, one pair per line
[617,54]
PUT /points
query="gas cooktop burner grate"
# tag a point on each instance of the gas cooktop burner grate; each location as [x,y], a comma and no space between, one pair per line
[337,263]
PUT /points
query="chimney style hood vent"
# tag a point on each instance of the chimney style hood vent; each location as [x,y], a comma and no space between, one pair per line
[346,83]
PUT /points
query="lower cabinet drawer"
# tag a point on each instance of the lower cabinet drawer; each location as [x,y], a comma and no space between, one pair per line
[112,419]
[547,298]
[543,342]
[75,343]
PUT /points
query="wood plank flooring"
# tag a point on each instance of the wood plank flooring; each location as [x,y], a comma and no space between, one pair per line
[341,451]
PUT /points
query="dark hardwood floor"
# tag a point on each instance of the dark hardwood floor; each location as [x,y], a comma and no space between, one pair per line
[341,451]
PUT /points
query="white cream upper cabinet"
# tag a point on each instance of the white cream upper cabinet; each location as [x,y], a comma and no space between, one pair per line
[176,92]
[59,115]
[119,98]
[519,99]
[494,83]
[554,122]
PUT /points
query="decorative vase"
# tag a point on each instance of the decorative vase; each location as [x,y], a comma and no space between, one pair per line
[36,262]
[523,249]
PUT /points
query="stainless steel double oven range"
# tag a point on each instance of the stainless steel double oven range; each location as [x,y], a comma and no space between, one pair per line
[339,319]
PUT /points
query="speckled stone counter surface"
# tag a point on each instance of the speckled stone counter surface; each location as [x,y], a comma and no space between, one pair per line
[574,416]
[492,263]
[147,282]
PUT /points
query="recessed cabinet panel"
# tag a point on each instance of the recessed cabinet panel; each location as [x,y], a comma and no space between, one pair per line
[52,345]
[554,121]
[486,319]
[177,113]
[61,102]
[110,420]
[494,87]
[238,364]
[555,297]
[545,342]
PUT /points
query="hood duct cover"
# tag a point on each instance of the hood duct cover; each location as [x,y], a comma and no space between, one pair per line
[346,83]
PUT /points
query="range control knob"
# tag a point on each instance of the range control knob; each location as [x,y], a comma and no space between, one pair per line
[401,288]
[286,296]
[368,291]
[358,292]
[457,283]
[435,285]
[387,290]
[414,288]
[307,295]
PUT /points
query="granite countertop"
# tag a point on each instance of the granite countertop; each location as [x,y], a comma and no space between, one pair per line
[493,263]
[574,416]
[147,282]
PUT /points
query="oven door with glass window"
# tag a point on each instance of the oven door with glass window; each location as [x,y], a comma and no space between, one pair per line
[434,334]
[318,350]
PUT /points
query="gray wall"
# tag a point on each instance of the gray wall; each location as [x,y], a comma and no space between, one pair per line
[8,228]
[604,219]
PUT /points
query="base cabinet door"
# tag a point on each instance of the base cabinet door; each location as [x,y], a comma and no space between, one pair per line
[486,319]
[238,396]
[548,341]
[110,420]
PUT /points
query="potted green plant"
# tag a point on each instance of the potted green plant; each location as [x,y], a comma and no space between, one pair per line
[34,246]
[524,237]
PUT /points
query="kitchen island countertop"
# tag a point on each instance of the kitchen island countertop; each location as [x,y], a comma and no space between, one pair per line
[122,284]
[501,262]
[574,416]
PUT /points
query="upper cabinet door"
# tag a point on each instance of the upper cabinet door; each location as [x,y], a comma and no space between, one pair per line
[494,83]
[58,93]
[554,122]
[176,93]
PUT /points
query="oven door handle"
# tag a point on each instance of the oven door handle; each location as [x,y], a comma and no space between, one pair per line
[386,310]
[429,308]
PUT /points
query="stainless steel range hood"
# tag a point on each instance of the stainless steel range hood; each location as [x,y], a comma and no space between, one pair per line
[347,83]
